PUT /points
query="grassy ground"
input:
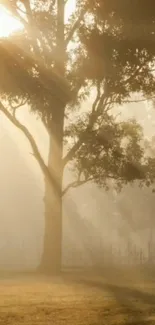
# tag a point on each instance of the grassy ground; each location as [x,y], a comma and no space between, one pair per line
[112,298]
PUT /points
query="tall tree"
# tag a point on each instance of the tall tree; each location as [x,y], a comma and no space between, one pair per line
[54,67]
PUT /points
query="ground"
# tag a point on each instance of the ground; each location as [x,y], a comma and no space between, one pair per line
[118,298]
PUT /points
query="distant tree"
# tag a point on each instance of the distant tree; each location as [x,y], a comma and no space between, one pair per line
[105,53]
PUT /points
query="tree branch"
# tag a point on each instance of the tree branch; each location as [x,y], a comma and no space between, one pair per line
[13,9]
[131,101]
[93,116]
[137,100]
[28,24]
[96,110]
[76,184]
[23,102]
[36,152]
[75,27]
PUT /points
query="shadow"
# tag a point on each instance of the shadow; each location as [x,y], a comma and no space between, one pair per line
[136,305]
[122,292]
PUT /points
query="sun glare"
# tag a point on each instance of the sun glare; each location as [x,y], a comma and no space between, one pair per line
[8,24]
[70,7]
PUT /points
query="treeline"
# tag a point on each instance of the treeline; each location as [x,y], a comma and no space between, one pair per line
[112,255]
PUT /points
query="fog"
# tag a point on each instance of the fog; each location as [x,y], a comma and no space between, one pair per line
[92,218]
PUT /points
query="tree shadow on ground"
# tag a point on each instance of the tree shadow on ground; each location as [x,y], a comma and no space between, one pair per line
[136,304]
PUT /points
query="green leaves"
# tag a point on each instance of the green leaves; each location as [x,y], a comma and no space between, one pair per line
[113,151]
[110,57]
[120,46]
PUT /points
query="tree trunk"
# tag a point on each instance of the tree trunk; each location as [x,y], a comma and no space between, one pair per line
[51,258]
[52,251]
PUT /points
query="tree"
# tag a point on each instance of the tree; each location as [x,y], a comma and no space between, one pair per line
[54,67]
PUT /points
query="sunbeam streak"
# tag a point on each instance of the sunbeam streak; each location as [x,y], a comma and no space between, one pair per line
[8,24]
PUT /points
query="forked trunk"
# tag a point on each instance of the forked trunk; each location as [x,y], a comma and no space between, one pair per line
[52,251]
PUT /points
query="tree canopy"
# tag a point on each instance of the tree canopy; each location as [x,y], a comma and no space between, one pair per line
[104,58]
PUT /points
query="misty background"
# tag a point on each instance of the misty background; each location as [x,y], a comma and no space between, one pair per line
[92,217]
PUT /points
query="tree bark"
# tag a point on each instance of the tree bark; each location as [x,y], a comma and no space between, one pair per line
[52,251]
[52,247]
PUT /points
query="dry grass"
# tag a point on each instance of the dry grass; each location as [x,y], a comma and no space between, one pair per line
[81,300]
